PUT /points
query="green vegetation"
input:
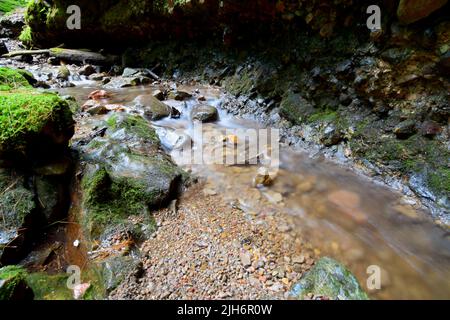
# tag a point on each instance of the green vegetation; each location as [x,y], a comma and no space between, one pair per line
[26,112]
[9,5]
[13,276]
[49,287]
[12,79]
[330,279]
[26,36]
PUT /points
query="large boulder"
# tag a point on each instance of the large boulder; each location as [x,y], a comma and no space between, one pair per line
[410,11]
[127,173]
[330,279]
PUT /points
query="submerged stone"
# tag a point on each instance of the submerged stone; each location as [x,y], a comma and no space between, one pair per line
[330,279]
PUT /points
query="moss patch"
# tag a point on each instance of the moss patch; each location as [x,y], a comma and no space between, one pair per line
[12,79]
[9,5]
[27,112]
[49,287]
[13,276]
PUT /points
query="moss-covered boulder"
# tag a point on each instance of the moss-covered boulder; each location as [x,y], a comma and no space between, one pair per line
[13,285]
[127,173]
[9,5]
[330,279]
[33,124]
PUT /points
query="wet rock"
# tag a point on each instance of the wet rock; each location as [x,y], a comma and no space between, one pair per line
[444,63]
[331,136]
[263,178]
[53,61]
[12,23]
[121,82]
[98,109]
[405,129]
[63,73]
[87,70]
[52,193]
[3,48]
[410,11]
[116,269]
[17,209]
[130,72]
[175,113]
[158,94]
[179,95]
[204,113]
[13,285]
[152,107]
[127,173]
[330,279]
[295,108]
[99,94]
[96,76]
[430,129]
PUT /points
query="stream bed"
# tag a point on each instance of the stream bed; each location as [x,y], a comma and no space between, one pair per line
[342,214]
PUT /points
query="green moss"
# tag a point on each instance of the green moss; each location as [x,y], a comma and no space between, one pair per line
[49,287]
[9,5]
[12,79]
[26,36]
[439,181]
[26,112]
[330,279]
[111,201]
[14,276]
[134,125]
[324,116]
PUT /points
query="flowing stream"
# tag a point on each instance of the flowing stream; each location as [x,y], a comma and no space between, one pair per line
[342,214]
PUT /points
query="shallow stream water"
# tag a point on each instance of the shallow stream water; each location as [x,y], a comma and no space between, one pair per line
[344,215]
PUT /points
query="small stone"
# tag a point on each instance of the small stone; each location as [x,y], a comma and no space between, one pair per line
[246,258]
[405,129]
[430,129]
[263,178]
[87,70]
[298,259]
[179,95]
